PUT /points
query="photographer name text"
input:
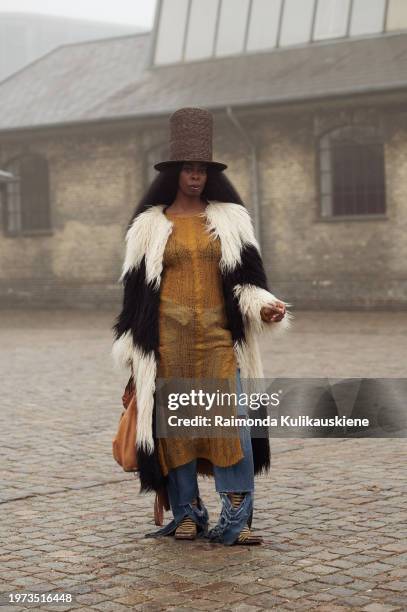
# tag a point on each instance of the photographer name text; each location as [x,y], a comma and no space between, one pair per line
[268,421]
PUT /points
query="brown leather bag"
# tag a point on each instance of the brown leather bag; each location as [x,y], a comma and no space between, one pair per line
[124,442]
[124,447]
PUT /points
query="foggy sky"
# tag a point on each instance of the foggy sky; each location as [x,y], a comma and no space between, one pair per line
[132,12]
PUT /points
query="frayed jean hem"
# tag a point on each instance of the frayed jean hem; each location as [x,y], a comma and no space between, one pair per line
[199,514]
[232,520]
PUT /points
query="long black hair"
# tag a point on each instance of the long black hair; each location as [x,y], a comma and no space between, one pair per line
[164,187]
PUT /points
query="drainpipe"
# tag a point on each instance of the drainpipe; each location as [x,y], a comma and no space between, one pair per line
[5,176]
[254,170]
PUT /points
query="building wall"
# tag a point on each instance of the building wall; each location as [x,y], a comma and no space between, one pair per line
[339,263]
[95,182]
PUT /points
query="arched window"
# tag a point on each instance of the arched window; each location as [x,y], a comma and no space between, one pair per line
[26,207]
[352,178]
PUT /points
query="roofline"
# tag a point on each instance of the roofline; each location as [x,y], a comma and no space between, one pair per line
[106,38]
[163,114]
[72,44]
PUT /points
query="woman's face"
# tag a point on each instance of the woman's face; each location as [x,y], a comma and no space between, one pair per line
[192,178]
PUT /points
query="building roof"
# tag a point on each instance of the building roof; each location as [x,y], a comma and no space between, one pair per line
[66,84]
[27,36]
[111,79]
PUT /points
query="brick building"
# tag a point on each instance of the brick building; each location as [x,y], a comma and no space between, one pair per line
[313,129]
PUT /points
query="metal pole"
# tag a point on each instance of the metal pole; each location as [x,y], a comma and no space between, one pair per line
[6,176]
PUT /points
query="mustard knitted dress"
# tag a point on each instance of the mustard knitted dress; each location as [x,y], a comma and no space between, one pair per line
[195,341]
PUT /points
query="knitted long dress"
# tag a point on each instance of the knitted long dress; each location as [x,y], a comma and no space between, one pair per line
[195,341]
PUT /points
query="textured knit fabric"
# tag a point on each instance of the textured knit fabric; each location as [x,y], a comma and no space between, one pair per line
[195,341]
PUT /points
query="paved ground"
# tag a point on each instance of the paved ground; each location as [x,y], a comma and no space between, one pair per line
[333,513]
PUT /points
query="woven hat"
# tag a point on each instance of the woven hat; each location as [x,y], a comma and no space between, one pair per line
[191,131]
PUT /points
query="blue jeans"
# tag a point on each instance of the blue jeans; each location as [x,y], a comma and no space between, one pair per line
[183,488]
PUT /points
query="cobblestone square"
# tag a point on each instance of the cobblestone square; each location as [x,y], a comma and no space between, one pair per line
[333,512]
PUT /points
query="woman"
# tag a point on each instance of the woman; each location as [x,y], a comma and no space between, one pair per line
[195,300]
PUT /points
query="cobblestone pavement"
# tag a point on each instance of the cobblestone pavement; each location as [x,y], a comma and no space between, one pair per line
[333,512]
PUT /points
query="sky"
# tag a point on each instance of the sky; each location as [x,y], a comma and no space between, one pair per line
[129,12]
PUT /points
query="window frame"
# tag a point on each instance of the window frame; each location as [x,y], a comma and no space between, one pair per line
[331,218]
[154,63]
[24,230]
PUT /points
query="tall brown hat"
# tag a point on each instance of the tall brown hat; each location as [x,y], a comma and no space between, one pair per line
[191,132]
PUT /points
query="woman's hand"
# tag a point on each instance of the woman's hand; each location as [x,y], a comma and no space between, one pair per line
[273,312]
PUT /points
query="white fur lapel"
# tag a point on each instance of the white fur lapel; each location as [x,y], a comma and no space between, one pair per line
[148,235]
[232,224]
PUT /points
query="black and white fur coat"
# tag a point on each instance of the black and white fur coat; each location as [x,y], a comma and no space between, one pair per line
[136,330]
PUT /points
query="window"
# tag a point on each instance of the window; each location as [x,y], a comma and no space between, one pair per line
[190,30]
[367,17]
[331,19]
[201,29]
[232,27]
[297,22]
[264,21]
[26,207]
[352,180]
[171,30]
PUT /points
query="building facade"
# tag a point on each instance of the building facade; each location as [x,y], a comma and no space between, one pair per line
[316,145]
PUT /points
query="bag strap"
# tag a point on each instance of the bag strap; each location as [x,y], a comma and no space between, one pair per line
[128,392]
